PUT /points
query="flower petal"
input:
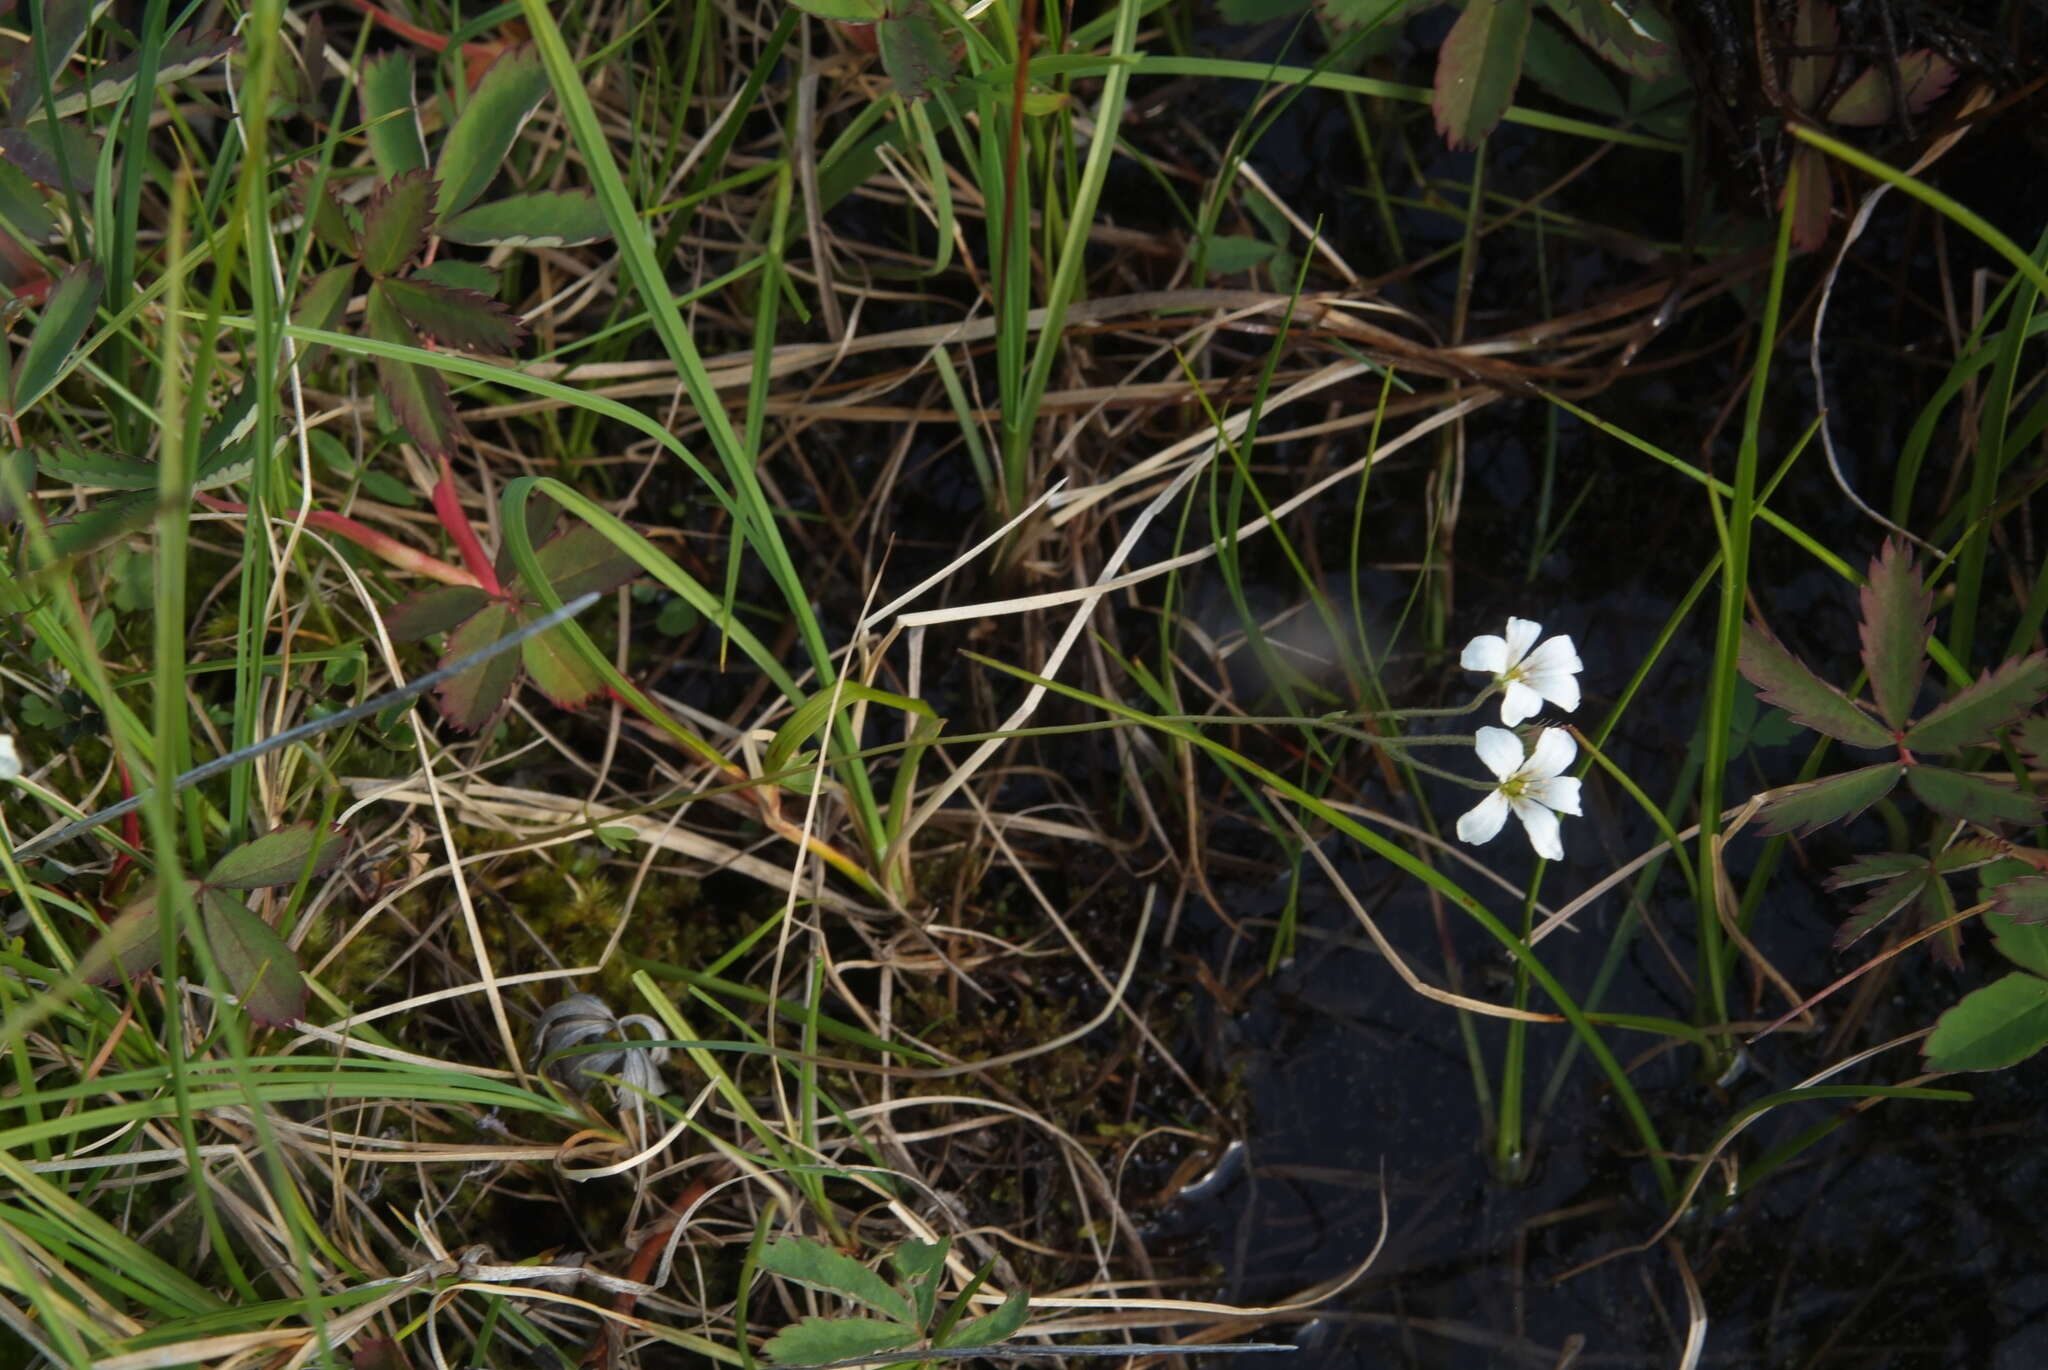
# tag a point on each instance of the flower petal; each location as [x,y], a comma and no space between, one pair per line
[1554,751]
[1482,822]
[1542,826]
[1518,703]
[1485,653]
[1556,654]
[1522,635]
[1560,792]
[1551,671]
[1500,751]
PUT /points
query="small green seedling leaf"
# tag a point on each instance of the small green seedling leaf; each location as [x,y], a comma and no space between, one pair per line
[1872,98]
[395,223]
[499,107]
[1972,797]
[540,218]
[1997,699]
[2024,900]
[253,959]
[1783,679]
[417,394]
[436,609]
[1478,67]
[915,53]
[67,313]
[278,858]
[820,1266]
[455,318]
[1898,616]
[471,699]
[1839,797]
[1997,1026]
[821,1341]
[391,115]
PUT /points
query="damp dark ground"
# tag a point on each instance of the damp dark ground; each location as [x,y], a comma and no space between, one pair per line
[1909,1236]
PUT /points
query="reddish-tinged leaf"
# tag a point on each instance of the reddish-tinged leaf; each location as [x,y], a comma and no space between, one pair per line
[583,560]
[1997,1026]
[540,218]
[1877,908]
[1897,621]
[2032,739]
[1872,99]
[558,667]
[61,155]
[132,944]
[1968,854]
[1970,796]
[253,959]
[471,699]
[1478,67]
[435,609]
[1815,30]
[1881,865]
[277,858]
[395,223]
[1782,679]
[324,211]
[417,394]
[2024,900]
[1998,698]
[1807,807]
[1814,214]
[456,318]
[1638,41]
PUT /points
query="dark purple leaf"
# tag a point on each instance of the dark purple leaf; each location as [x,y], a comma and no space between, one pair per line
[1827,801]
[253,959]
[455,318]
[471,699]
[1478,67]
[1995,701]
[435,609]
[1897,621]
[1970,796]
[62,156]
[1782,679]
[278,858]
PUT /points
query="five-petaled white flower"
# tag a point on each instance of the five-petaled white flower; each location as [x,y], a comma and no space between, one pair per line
[1534,788]
[1529,677]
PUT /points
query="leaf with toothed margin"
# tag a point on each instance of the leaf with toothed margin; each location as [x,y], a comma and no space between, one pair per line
[2024,900]
[278,858]
[391,114]
[436,609]
[113,470]
[455,318]
[1879,906]
[417,394]
[61,156]
[1998,698]
[181,55]
[559,668]
[1882,865]
[259,967]
[1815,805]
[132,945]
[324,211]
[1784,680]
[540,218]
[395,223]
[1997,1026]
[474,150]
[459,275]
[1872,99]
[471,699]
[1478,67]
[2031,737]
[1970,796]
[583,560]
[1898,615]
[1637,40]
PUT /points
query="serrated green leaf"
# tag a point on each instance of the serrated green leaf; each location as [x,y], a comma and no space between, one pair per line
[1638,40]
[181,55]
[1898,616]
[459,275]
[845,11]
[1967,855]
[67,313]
[455,318]
[1881,865]
[915,53]
[395,223]
[278,858]
[2022,941]
[114,470]
[1997,699]
[258,966]
[820,1266]
[324,212]
[559,669]
[102,523]
[58,155]
[1873,99]
[993,1327]
[436,609]
[1783,679]
[1827,801]
[23,208]
[322,302]
[821,1341]
[1970,796]
[2031,737]
[471,699]
[582,561]
[1478,67]
[1997,1026]
[391,114]
[417,394]
[498,108]
[2024,900]
[1880,905]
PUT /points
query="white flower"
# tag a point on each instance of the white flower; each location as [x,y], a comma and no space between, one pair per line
[1550,672]
[10,760]
[1534,789]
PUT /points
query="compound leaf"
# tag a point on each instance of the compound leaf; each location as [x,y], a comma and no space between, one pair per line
[1783,679]
[455,318]
[395,223]
[1999,697]
[1815,805]
[821,1341]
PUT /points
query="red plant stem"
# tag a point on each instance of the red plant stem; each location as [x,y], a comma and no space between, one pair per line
[448,508]
[370,540]
[476,57]
[642,1266]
